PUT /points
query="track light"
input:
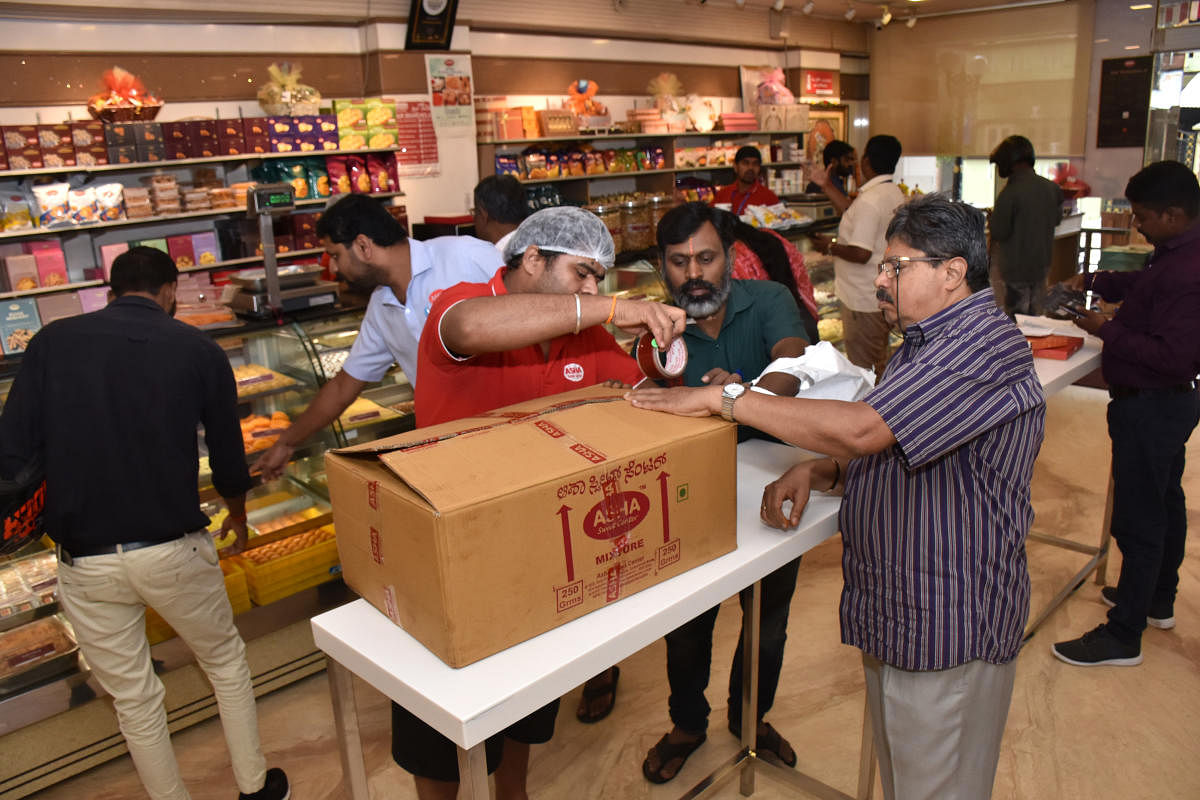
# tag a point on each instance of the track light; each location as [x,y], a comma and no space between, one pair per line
[850,12]
[910,23]
[887,16]
[779,5]
[808,7]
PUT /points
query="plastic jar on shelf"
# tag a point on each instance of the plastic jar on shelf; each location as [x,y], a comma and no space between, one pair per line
[610,215]
[637,230]
[659,204]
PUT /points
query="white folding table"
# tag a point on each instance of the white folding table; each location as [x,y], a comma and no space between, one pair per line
[470,704]
[1056,376]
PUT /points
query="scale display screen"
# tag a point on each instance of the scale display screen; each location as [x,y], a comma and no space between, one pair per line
[272,198]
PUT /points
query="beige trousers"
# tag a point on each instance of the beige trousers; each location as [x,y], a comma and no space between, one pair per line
[937,734]
[105,599]
[865,334]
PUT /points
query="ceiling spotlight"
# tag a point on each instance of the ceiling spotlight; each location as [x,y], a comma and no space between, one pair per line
[850,12]
[887,16]
[808,7]
[740,3]
[911,22]
[779,5]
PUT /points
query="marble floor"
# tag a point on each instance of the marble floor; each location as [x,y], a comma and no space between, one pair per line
[1072,733]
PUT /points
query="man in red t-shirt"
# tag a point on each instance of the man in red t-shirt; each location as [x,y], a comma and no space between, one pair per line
[535,329]
[746,190]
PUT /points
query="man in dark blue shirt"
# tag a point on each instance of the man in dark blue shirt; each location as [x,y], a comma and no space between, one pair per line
[110,403]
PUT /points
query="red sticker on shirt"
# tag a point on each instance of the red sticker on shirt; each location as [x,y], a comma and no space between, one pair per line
[573,372]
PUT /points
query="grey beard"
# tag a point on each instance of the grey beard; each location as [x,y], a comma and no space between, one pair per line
[697,308]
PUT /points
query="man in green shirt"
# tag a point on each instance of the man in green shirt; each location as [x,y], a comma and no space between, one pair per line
[1022,226]
[740,328]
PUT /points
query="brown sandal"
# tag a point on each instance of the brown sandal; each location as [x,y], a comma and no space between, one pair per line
[667,752]
[590,693]
[770,742]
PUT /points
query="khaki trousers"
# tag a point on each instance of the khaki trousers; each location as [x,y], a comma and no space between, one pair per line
[937,734]
[865,334]
[105,599]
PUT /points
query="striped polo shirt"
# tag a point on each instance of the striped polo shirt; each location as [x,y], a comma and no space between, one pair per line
[934,526]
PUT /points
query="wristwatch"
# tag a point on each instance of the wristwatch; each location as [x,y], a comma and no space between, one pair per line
[729,396]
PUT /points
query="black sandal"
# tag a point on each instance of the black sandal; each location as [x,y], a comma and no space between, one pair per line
[668,752]
[591,693]
[770,743]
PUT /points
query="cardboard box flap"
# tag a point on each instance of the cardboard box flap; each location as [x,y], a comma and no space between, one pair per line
[479,459]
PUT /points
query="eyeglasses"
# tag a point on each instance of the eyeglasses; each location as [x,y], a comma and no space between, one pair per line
[892,266]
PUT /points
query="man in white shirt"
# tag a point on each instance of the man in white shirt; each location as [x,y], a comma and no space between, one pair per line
[858,248]
[372,252]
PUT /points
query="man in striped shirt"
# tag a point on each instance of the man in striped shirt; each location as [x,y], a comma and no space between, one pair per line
[937,462]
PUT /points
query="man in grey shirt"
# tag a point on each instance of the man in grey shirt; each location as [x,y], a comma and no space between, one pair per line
[1022,226]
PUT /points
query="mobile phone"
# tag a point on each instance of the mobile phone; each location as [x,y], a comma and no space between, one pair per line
[1072,310]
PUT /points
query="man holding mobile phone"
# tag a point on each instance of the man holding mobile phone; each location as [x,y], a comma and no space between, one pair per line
[1150,360]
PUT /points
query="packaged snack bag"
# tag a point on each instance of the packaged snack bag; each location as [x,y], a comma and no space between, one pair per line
[337,172]
[53,207]
[108,201]
[297,176]
[378,173]
[318,178]
[360,179]
[83,206]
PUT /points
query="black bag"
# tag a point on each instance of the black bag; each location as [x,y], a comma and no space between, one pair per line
[22,502]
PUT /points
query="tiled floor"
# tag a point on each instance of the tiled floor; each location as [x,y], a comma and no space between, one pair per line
[1072,733]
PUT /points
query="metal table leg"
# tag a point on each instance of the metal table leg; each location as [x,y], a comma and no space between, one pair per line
[747,759]
[345,722]
[1098,563]
[472,773]
[750,627]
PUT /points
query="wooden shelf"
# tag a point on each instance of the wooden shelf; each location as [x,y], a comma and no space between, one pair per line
[181,162]
[33,233]
[618,136]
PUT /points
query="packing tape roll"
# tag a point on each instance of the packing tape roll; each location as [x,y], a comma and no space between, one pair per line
[658,364]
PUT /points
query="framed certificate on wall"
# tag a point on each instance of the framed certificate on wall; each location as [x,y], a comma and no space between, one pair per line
[430,24]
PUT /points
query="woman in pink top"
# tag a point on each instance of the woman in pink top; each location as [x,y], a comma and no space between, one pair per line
[762,254]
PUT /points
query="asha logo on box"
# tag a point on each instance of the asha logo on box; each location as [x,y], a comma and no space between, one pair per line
[549,428]
[668,554]
[373,494]
[569,596]
[376,547]
[617,513]
[573,372]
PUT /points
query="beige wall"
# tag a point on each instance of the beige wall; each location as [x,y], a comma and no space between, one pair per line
[957,85]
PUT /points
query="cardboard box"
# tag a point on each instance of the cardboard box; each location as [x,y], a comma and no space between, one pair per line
[204,248]
[19,321]
[181,251]
[22,272]
[108,254]
[480,533]
[119,134]
[93,298]
[123,154]
[157,244]
[51,267]
[149,150]
[57,306]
